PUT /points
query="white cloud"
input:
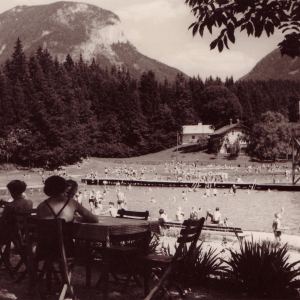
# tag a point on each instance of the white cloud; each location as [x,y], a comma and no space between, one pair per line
[158,11]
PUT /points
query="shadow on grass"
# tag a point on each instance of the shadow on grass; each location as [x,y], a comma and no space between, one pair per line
[190,148]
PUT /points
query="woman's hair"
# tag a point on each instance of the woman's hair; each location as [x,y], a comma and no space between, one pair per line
[72,187]
[55,185]
[161,211]
[16,187]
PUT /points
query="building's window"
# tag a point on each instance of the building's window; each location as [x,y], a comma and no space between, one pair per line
[232,132]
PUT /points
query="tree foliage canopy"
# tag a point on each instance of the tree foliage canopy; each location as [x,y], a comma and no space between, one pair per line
[271,137]
[54,113]
[252,16]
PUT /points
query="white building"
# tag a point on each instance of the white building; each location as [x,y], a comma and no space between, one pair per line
[191,133]
[230,134]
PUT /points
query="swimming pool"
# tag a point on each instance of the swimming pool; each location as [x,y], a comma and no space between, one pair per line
[254,211]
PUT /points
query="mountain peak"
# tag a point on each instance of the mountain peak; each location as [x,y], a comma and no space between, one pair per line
[76,29]
[274,66]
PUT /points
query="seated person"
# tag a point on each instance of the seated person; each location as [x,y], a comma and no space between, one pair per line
[113,212]
[17,189]
[61,204]
[215,217]
[18,201]
[194,214]
[163,215]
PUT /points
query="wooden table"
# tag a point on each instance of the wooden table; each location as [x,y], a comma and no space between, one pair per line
[109,227]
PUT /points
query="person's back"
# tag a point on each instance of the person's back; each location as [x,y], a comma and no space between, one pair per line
[17,189]
[193,214]
[163,215]
[61,204]
[216,216]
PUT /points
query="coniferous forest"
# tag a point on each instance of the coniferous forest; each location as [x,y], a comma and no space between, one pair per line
[53,113]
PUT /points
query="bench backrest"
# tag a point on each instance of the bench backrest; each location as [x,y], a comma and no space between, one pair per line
[133,214]
[218,228]
[190,233]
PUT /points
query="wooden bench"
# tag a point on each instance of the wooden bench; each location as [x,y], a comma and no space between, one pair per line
[206,227]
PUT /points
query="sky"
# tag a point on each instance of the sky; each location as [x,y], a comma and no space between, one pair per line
[159,30]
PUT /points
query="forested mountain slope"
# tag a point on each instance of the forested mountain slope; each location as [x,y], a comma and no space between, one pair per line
[274,66]
[53,113]
[76,29]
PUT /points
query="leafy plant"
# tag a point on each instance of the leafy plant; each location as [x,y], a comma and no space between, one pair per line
[199,265]
[207,263]
[261,269]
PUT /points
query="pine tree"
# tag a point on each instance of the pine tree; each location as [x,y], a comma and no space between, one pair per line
[182,106]
[148,93]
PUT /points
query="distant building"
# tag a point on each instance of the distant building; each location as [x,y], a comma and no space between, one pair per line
[191,133]
[230,134]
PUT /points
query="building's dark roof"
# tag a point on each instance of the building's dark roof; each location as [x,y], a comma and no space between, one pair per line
[227,128]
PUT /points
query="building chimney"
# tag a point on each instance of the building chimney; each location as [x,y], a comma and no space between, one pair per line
[230,121]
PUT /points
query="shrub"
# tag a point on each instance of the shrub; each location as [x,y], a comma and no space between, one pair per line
[199,265]
[196,266]
[261,269]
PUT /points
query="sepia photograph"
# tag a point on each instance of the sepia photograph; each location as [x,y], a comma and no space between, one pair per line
[149,149]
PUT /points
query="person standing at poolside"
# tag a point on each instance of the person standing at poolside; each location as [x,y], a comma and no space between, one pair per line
[276,225]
